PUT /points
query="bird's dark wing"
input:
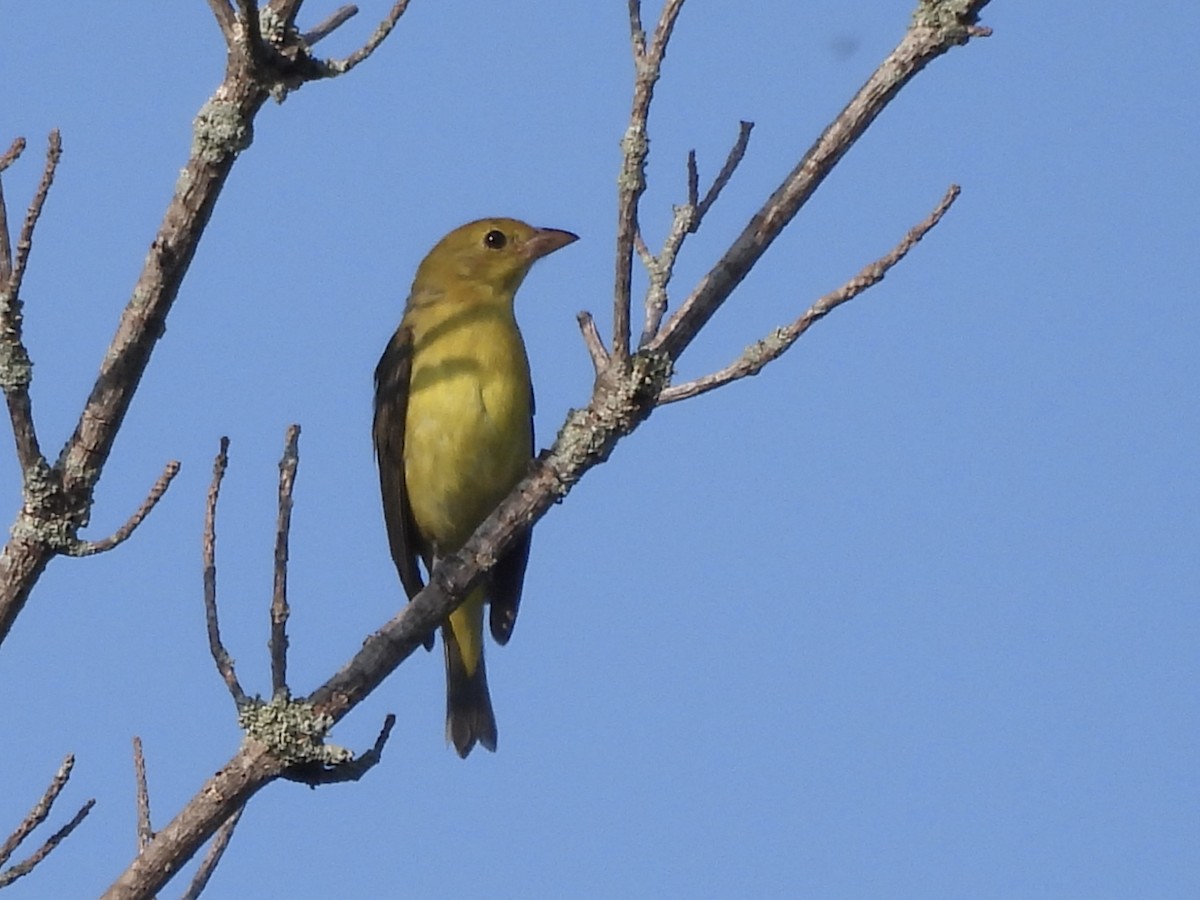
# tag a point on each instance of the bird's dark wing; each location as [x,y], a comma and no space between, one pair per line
[508,575]
[392,377]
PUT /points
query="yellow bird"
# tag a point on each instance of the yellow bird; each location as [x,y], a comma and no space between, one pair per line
[453,435]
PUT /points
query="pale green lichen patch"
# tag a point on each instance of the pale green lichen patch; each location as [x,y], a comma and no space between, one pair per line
[16,369]
[293,730]
[220,130]
[941,14]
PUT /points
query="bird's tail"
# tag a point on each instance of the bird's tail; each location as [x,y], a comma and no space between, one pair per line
[469,716]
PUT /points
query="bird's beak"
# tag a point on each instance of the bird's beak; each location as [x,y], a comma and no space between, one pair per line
[545,241]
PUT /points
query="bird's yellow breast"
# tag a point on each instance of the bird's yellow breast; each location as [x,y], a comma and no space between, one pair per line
[468,434]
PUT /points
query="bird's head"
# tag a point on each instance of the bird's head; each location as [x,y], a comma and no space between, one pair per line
[492,253]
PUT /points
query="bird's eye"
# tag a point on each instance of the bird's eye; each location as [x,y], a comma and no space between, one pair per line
[494,240]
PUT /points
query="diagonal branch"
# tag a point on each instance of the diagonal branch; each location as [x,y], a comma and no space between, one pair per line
[26,866]
[342,66]
[770,348]
[330,24]
[35,817]
[11,155]
[736,153]
[926,39]
[122,534]
[212,858]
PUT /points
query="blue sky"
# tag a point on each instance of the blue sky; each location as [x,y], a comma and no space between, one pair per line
[911,614]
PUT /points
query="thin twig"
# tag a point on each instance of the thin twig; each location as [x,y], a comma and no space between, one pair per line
[342,66]
[219,654]
[122,534]
[592,340]
[40,811]
[686,221]
[13,153]
[225,17]
[25,241]
[26,866]
[16,368]
[336,20]
[921,45]
[278,643]
[635,146]
[216,850]
[352,770]
[36,817]
[736,153]
[145,834]
[771,347]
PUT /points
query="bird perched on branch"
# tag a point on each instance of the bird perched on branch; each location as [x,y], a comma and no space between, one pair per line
[453,435]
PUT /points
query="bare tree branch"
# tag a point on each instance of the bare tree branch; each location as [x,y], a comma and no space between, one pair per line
[736,153]
[145,833]
[219,654]
[773,346]
[122,534]
[342,66]
[16,369]
[686,220]
[58,499]
[937,26]
[10,156]
[350,770]
[593,341]
[635,146]
[331,24]
[36,817]
[279,603]
[25,241]
[23,868]
[212,858]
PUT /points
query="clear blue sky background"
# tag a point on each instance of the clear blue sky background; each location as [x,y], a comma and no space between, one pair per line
[912,614]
